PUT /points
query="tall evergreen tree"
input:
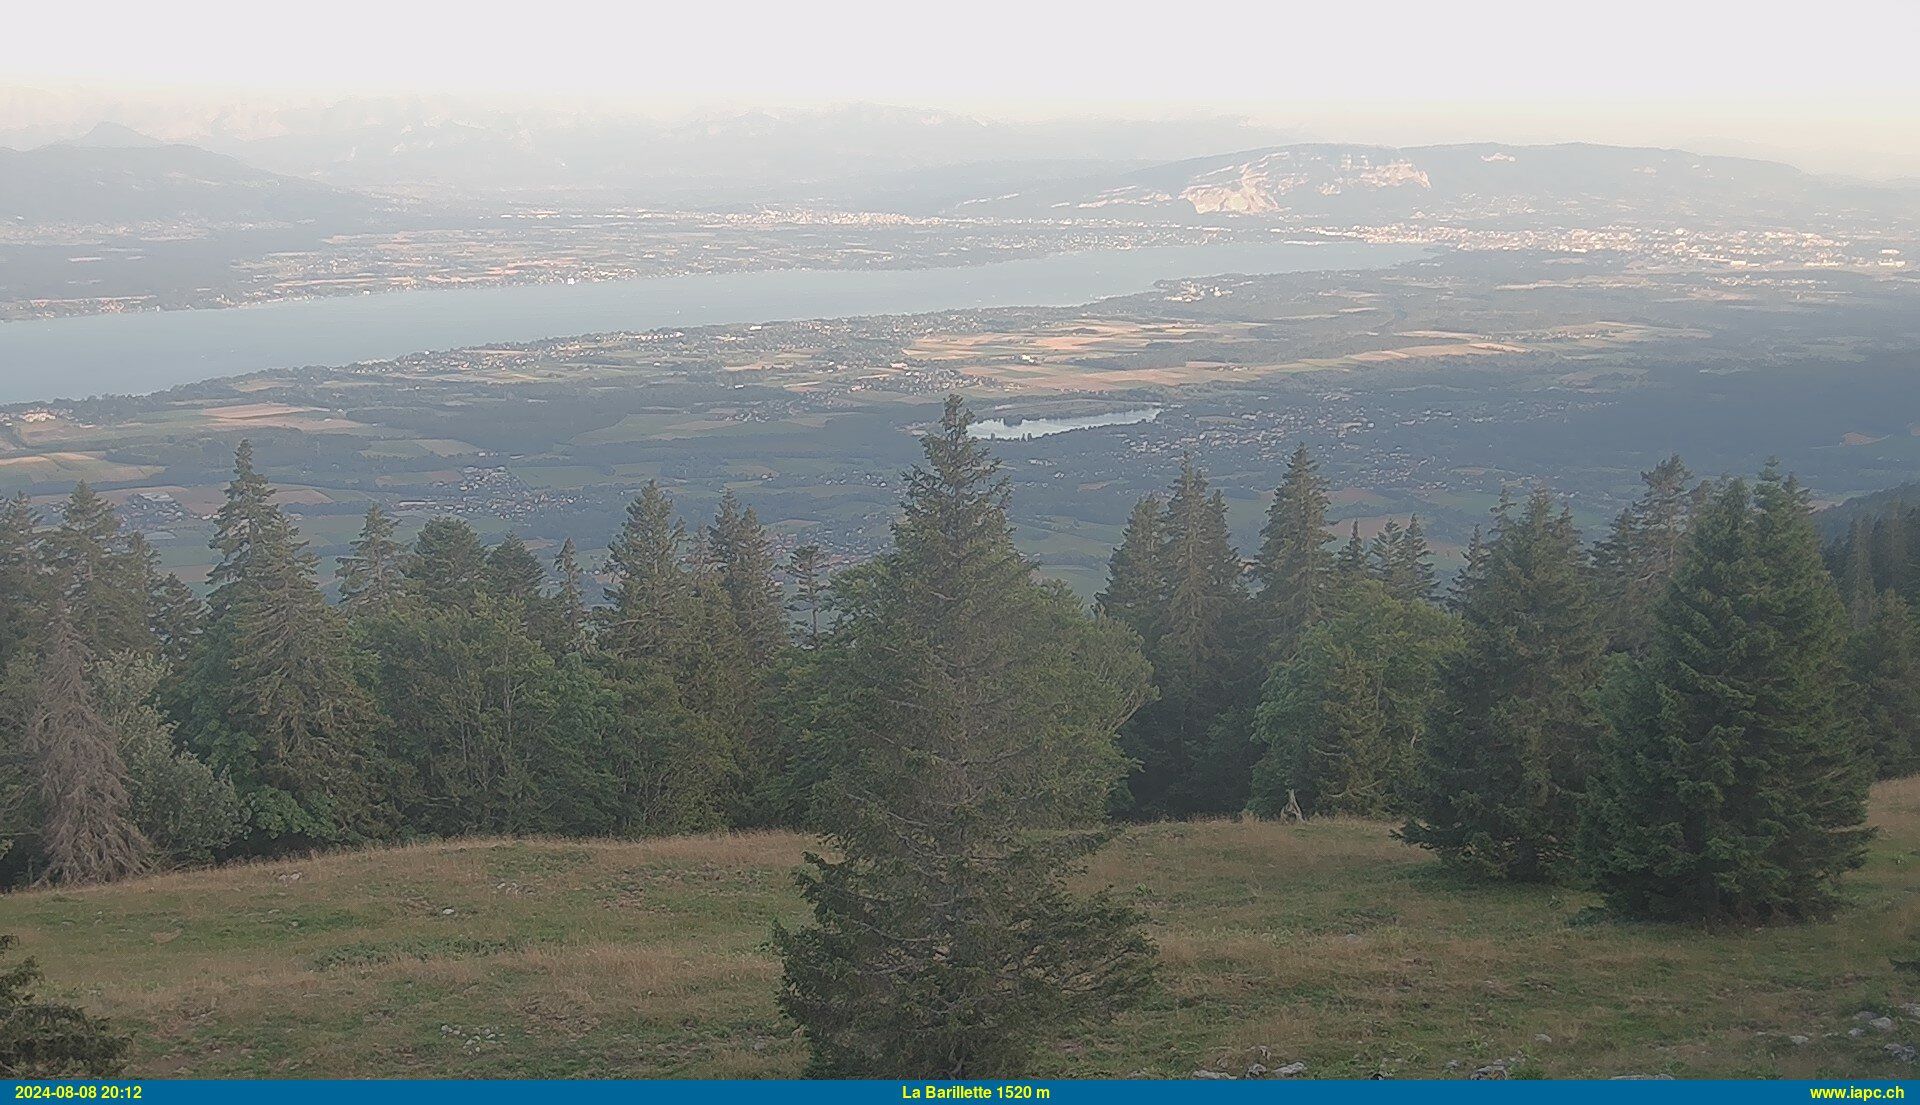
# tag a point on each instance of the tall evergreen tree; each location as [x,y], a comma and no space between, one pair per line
[1883,659]
[1136,592]
[23,580]
[371,577]
[272,700]
[743,555]
[1893,554]
[102,580]
[1403,561]
[88,832]
[978,738]
[1506,758]
[1193,745]
[247,513]
[175,615]
[807,567]
[447,567]
[1733,787]
[513,576]
[1636,560]
[1472,571]
[570,602]
[1294,567]
[1350,564]
[648,615]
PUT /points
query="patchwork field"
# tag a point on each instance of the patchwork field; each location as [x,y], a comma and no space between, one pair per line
[1328,944]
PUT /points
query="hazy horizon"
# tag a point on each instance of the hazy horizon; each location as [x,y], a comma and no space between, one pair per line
[1829,94]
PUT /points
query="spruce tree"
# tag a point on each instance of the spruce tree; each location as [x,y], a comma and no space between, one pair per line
[1472,571]
[513,576]
[1294,567]
[271,700]
[43,1039]
[447,567]
[1883,660]
[247,512]
[570,601]
[175,615]
[1350,564]
[23,579]
[87,831]
[1733,788]
[1136,591]
[1893,555]
[648,613]
[371,579]
[976,745]
[1633,564]
[1192,744]
[742,553]
[102,579]
[807,567]
[1403,561]
[1506,757]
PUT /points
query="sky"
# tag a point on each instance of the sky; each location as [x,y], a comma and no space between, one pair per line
[1836,80]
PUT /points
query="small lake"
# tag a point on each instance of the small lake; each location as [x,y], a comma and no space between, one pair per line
[151,350]
[996,429]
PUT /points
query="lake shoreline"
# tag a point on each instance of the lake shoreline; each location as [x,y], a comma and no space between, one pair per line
[138,353]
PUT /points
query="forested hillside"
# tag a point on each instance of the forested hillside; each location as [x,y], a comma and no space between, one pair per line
[1682,718]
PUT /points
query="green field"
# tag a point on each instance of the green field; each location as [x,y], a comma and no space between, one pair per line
[1328,944]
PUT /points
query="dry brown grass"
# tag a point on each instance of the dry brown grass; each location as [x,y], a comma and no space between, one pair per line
[1329,943]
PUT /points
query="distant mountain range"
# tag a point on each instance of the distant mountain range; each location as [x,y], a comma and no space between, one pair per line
[117,175]
[327,166]
[1482,183]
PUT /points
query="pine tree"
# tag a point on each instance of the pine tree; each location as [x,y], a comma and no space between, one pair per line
[371,579]
[1883,660]
[1136,592]
[1733,787]
[977,740]
[1504,763]
[447,567]
[807,567]
[1294,567]
[88,831]
[742,553]
[1633,564]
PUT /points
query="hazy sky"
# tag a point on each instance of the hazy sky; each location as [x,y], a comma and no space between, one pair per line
[1839,75]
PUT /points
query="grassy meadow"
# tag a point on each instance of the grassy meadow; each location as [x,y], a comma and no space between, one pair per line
[1328,944]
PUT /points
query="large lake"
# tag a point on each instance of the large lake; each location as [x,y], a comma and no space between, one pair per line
[148,351]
